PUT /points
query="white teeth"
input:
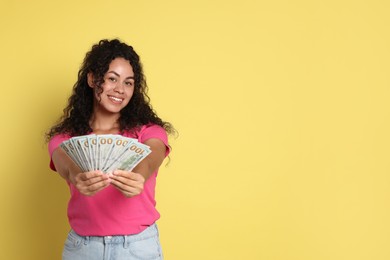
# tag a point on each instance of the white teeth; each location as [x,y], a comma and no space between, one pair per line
[116,99]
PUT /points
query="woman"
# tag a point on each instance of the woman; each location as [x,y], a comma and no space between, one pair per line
[112,216]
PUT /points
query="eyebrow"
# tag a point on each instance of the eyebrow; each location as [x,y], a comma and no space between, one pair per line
[130,77]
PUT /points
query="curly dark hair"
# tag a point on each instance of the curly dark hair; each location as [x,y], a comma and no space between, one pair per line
[138,112]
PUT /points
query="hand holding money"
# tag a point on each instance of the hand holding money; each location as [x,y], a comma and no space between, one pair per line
[89,183]
[128,183]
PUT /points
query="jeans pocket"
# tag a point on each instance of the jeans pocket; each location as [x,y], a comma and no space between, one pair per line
[146,249]
[73,241]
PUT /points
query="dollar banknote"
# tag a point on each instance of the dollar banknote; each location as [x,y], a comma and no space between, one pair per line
[105,152]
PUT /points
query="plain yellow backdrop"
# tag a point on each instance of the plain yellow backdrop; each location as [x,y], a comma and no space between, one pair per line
[282,111]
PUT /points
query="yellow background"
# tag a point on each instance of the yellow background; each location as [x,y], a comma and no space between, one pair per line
[282,111]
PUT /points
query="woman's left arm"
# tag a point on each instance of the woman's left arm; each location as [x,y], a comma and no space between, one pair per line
[131,183]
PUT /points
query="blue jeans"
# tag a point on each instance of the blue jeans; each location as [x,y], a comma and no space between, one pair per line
[142,246]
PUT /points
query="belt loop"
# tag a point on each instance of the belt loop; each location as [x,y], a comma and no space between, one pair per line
[86,240]
[125,242]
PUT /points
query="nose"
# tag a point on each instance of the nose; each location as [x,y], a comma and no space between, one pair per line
[119,88]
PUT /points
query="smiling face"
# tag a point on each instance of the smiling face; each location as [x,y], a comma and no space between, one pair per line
[117,88]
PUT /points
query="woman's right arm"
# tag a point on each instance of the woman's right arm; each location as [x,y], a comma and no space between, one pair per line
[88,183]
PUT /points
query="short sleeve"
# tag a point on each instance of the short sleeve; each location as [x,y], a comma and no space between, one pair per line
[154,131]
[53,144]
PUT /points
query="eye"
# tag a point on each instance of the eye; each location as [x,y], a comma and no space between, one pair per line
[112,79]
[129,83]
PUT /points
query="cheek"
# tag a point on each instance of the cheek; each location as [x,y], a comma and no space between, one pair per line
[105,87]
[97,92]
[130,92]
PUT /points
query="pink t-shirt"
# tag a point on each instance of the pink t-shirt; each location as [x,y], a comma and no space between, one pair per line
[109,212]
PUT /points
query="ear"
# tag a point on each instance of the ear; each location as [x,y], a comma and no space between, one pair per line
[90,80]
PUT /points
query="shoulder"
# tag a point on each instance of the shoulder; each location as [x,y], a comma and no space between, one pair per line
[56,140]
[151,131]
[148,131]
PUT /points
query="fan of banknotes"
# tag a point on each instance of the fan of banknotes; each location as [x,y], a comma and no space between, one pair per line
[105,152]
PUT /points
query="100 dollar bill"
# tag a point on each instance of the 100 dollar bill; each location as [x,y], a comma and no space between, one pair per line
[105,152]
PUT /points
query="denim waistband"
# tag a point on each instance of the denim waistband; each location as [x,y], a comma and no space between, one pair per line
[149,232]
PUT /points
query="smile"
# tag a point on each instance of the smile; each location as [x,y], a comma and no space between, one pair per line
[115,99]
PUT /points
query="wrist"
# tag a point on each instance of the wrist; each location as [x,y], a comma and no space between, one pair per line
[72,176]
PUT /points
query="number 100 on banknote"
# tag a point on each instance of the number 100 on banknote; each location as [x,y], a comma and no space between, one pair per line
[105,152]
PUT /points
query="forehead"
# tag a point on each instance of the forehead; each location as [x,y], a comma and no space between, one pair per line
[121,66]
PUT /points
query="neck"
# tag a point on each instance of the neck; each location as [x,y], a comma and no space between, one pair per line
[104,123]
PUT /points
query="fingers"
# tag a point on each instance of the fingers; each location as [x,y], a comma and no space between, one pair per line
[89,183]
[92,177]
[127,176]
[129,183]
